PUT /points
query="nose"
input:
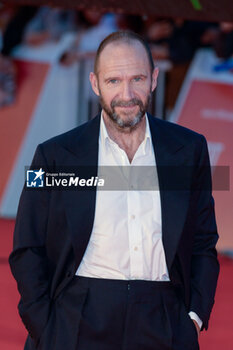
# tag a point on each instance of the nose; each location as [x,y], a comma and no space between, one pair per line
[127,91]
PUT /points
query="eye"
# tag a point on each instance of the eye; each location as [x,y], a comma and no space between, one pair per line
[136,79]
[113,81]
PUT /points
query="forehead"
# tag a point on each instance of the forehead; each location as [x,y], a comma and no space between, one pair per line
[122,57]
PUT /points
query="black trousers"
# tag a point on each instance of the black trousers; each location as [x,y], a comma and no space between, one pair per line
[133,315]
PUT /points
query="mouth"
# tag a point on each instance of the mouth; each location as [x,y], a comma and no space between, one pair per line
[127,107]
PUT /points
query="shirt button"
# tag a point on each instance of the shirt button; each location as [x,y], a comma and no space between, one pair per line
[133,217]
[135,248]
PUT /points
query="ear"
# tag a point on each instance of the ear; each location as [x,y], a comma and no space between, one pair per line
[94,83]
[154,78]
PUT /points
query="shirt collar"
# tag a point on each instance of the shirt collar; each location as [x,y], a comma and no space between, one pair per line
[106,141]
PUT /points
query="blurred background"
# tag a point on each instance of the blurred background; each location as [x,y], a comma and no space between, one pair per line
[46,54]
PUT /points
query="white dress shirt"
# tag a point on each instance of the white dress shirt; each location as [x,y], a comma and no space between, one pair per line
[126,239]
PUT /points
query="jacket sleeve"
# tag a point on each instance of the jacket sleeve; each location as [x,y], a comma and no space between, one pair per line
[204,262]
[28,260]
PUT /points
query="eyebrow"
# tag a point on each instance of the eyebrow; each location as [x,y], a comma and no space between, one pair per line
[119,77]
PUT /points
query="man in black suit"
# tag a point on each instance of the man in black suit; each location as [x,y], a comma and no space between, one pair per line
[133,269]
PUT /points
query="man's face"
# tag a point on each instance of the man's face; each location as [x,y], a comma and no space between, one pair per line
[124,83]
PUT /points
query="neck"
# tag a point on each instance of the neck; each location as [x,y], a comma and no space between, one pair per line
[128,139]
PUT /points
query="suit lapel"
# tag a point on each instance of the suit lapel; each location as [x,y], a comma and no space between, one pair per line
[174,198]
[82,154]
[80,205]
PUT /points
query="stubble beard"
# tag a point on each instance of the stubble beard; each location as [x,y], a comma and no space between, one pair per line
[129,123]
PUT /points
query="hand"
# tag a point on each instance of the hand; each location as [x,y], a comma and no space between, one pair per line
[197,327]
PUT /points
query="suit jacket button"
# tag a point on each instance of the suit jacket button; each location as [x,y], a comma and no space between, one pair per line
[68,275]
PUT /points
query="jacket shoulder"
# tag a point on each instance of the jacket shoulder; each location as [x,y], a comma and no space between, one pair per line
[179,132]
[67,136]
[69,140]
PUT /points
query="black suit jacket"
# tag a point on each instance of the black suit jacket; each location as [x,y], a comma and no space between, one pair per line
[53,228]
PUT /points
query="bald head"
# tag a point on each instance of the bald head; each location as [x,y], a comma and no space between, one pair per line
[122,37]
